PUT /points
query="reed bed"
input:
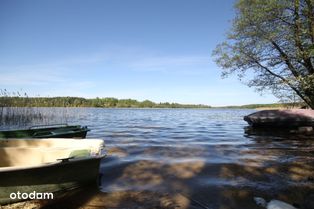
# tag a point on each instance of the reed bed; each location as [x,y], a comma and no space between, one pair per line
[12,116]
[21,117]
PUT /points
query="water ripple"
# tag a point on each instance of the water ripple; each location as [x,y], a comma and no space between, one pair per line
[196,150]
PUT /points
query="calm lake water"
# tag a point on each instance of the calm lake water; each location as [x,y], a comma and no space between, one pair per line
[202,155]
[195,158]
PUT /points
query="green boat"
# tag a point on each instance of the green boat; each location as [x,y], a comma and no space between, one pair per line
[47,131]
[47,166]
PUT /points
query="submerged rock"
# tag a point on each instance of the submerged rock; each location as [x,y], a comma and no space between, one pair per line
[273,204]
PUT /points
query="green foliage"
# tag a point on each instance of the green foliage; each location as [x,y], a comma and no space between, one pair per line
[16,101]
[270,47]
[266,106]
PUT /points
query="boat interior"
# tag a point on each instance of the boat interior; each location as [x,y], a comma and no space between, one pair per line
[33,152]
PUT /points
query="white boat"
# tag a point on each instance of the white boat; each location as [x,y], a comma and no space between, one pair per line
[47,166]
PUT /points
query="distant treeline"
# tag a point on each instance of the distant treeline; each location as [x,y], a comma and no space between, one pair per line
[271,106]
[18,101]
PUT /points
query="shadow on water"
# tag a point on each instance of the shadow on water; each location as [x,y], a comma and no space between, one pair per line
[267,167]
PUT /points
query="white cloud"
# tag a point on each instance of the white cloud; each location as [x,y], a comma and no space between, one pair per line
[31,76]
[118,58]
[153,62]
[81,76]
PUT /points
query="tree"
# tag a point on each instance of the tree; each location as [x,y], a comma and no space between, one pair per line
[147,103]
[271,46]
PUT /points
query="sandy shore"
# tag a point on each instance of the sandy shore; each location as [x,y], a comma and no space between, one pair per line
[160,185]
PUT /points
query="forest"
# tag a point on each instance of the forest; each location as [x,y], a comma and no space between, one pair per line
[108,102]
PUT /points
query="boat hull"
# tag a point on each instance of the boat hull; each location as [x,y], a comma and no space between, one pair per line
[50,132]
[49,178]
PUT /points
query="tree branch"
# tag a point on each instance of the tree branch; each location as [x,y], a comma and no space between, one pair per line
[297,37]
[307,62]
[285,58]
[280,77]
[310,19]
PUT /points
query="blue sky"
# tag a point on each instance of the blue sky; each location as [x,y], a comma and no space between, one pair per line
[142,49]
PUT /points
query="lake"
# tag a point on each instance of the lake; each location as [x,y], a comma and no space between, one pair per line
[193,158]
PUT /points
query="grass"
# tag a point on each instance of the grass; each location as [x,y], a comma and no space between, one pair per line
[21,117]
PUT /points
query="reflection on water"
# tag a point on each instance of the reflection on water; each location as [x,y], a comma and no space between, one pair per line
[195,158]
